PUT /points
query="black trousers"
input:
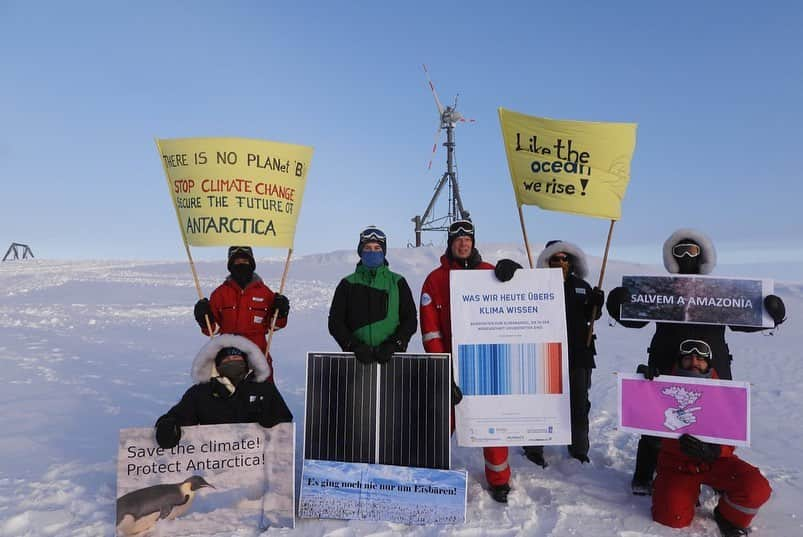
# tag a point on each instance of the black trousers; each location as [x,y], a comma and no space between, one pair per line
[646,458]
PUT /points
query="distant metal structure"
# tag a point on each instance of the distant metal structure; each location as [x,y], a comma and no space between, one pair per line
[449,117]
[15,249]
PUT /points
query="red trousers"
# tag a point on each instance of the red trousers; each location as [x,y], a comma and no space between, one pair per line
[677,486]
[497,468]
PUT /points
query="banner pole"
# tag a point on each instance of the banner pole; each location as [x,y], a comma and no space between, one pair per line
[281,289]
[184,239]
[599,284]
[526,242]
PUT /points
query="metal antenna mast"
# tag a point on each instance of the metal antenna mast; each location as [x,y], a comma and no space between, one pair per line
[449,117]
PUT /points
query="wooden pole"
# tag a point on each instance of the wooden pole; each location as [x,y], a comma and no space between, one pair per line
[599,284]
[281,289]
[526,242]
[184,238]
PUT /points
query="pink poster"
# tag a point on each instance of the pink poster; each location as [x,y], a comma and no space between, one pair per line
[712,410]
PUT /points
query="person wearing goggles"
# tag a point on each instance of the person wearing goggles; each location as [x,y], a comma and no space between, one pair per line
[373,313]
[243,304]
[582,305]
[689,252]
[686,463]
[436,331]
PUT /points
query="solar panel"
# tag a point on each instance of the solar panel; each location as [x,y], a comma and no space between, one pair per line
[397,413]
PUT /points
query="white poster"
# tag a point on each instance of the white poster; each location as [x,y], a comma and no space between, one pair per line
[510,358]
[234,477]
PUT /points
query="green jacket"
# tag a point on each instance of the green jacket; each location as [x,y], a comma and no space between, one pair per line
[371,306]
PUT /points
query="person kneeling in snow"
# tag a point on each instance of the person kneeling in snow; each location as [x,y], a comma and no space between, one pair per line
[687,462]
[238,393]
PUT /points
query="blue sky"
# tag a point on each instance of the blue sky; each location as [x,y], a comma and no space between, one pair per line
[715,88]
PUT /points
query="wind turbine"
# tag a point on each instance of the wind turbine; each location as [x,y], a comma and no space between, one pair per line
[449,117]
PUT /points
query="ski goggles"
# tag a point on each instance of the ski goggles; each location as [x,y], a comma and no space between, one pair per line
[695,346]
[559,258]
[685,248]
[372,235]
[461,228]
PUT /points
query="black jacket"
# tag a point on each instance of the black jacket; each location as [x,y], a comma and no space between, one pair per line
[577,293]
[211,403]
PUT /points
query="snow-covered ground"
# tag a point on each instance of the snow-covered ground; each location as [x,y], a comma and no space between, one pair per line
[87,348]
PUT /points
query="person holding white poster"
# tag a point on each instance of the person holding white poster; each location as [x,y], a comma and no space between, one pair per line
[686,251]
[436,332]
[583,304]
[688,462]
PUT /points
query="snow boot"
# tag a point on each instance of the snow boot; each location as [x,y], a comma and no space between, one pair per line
[582,457]
[500,492]
[536,455]
[641,487]
[726,529]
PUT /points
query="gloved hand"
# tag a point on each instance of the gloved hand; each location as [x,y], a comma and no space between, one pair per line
[384,352]
[697,449]
[776,308]
[505,269]
[457,394]
[281,304]
[202,308]
[364,353]
[597,297]
[649,371]
[168,432]
[617,297]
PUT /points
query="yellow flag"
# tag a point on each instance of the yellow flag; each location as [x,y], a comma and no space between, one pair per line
[230,191]
[576,167]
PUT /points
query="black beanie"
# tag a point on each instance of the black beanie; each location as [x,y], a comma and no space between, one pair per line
[461,228]
[241,251]
[229,351]
[372,234]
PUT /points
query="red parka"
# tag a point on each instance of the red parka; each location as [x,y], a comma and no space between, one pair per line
[436,330]
[244,312]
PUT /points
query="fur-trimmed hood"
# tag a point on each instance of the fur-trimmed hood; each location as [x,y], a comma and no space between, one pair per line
[203,366]
[708,255]
[577,259]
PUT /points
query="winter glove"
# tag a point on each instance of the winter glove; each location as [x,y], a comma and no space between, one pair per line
[649,371]
[364,353]
[202,309]
[597,298]
[168,432]
[281,304]
[505,269]
[775,307]
[457,394]
[617,297]
[384,352]
[697,449]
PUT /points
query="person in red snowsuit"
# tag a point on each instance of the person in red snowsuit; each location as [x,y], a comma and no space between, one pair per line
[436,330]
[687,462]
[243,305]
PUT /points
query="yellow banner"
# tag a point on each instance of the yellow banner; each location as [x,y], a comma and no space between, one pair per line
[576,167]
[236,191]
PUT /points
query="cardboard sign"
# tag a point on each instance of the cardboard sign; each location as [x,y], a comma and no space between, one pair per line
[358,491]
[511,358]
[219,478]
[698,300]
[669,406]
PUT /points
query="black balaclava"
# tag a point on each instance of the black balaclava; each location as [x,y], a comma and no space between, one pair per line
[242,274]
[234,370]
[686,264]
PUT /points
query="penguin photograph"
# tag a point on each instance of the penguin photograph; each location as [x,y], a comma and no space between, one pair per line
[140,510]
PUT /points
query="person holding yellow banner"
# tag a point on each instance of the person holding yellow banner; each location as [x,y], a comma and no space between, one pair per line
[243,304]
